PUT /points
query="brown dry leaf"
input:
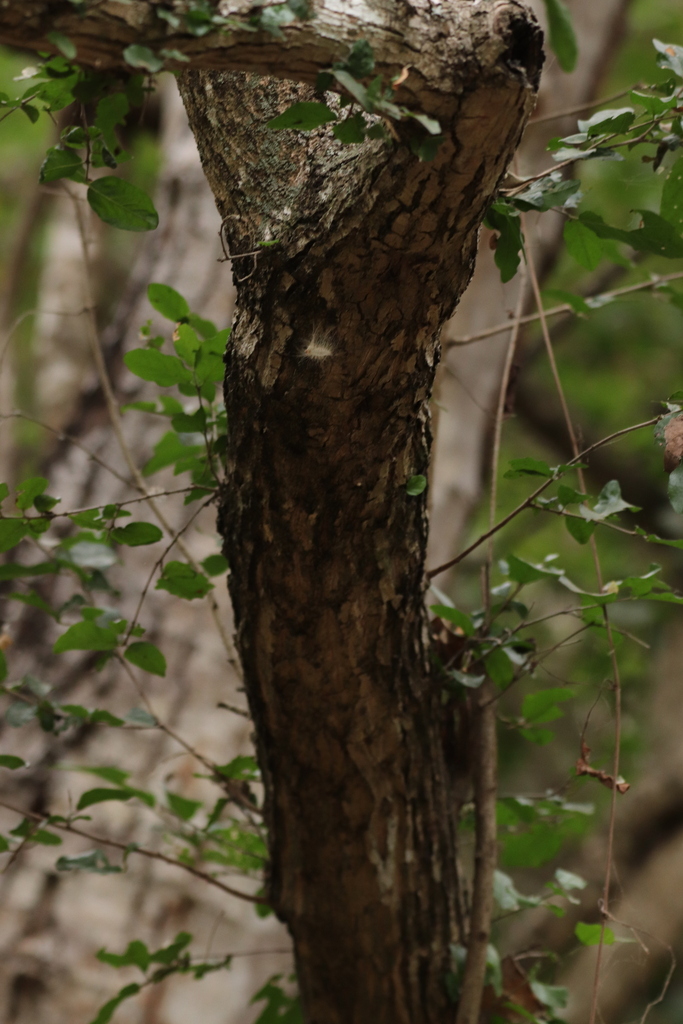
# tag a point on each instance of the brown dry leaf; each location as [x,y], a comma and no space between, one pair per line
[584,768]
[402,77]
[5,641]
[673,437]
[516,992]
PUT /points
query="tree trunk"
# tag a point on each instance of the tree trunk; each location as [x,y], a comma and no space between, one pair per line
[329,375]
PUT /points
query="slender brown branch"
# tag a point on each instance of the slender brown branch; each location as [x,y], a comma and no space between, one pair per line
[530,318]
[141,850]
[485,771]
[528,502]
[579,109]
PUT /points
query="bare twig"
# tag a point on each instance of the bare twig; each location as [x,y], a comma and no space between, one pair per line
[141,850]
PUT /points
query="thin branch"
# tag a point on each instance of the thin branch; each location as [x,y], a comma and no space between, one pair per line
[141,850]
[115,418]
[485,856]
[592,105]
[528,502]
[530,318]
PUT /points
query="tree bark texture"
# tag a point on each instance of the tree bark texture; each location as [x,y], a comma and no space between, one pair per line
[329,374]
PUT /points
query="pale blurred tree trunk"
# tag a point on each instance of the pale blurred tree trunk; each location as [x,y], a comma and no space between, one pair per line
[52,924]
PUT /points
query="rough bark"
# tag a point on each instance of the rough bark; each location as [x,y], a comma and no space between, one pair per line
[329,374]
[326,548]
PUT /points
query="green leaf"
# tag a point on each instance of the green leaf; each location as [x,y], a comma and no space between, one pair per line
[528,467]
[541,706]
[215,565]
[4,492]
[100,795]
[580,529]
[182,580]
[19,714]
[675,489]
[136,534]
[139,716]
[562,37]
[241,767]
[454,616]
[670,56]
[524,572]
[61,163]
[86,636]
[499,667]
[170,953]
[92,555]
[555,997]
[12,762]
[168,302]
[351,130]
[502,218]
[304,116]
[136,955]
[416,484]
[186,343]
[576,302]
[123,205]
[655,235]
[672,197]
[63,44]
[142,57]
[508,897]
[168,450]
[361,60]
[94,861]
[182,807]
[3,666]
[533,847]
[147,657]
[582,244]
[11,532]
[553,190]
[154,366]
[568,880]
[111,111]
[107,1011]
[609,502]
[612,122]
[280,1008]
[29,490]
[589,934]
[353,87]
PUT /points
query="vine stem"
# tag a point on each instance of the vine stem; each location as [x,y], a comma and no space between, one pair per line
[117,427]
[531,318]
[141,850]
[485,755]
[616,680]
[528,502]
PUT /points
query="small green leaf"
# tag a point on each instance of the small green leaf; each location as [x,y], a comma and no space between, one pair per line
[147,657]
[541,706]
[416,485]
[100,795]
[499,667]
[304,116]
[111,111]
[590,934]
[215,565]
[107,1011]
[139,716]
[672,197]
[136,955]
[562,37]
[11,532]
[168,302]
[503,219]
[582,244]
[123,205]
[19,714]
[28,491]
[670,56]
[61,163]
[94,861]
[453,615]
[361,60]
[11,761]
[142,57]
[63,44]
[86,636]
[351,130]
[241,767]
[182,580]
[580,529]
[676,489]
[136,534]
[154,366]
[181,806]
[528,467]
